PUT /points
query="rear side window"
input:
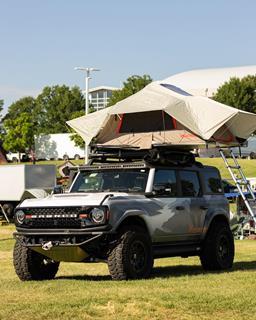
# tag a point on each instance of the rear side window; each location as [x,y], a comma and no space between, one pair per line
[212,182]
[166,179]
[190,185]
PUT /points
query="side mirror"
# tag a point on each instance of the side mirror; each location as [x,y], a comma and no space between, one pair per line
[57,190]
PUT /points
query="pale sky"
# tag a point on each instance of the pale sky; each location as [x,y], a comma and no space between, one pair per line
[42,41]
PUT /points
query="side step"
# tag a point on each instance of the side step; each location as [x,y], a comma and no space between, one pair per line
[175,250]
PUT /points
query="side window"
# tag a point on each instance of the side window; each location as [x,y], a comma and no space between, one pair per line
[212,182]
[190,185]
[165,183]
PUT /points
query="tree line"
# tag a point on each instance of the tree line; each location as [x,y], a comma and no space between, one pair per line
[49,111]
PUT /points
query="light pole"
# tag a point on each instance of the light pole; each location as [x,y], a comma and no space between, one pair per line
[87,78]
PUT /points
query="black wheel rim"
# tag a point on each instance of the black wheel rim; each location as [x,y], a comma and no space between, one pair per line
[138,256]
[223,248]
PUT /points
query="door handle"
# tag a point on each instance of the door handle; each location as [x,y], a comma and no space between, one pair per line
[203,207]
[180,208]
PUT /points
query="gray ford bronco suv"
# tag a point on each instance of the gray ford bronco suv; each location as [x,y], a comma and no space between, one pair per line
[127,207]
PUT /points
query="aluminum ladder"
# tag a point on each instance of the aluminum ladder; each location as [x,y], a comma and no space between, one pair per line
[241,181]
[4,214]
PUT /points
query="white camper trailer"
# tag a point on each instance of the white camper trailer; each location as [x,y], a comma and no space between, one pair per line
[19,182]
[57,146]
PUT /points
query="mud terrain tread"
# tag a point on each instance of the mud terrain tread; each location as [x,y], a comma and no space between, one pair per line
[28,264]
[118,259]
[209,258]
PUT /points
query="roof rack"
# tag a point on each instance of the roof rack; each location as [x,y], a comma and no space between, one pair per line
[158,155]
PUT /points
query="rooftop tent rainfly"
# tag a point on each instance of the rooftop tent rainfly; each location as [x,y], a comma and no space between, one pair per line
[164,114]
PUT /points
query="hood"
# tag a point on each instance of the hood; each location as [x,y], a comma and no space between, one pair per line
[70,200]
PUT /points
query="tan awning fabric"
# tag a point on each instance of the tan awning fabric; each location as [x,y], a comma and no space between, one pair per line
[199,116]
[89,126]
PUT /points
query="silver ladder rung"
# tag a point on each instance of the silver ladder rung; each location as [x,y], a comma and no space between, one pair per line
[242,182]
[234,167]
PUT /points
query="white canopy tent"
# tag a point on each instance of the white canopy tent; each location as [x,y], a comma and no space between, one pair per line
[162,113]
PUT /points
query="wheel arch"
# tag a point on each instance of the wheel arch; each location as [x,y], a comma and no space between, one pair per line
[133,220]
[214,218]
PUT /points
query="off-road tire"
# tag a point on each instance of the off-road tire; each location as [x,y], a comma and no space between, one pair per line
[218,248]
[9,209]
[31,265]
[252,155]
[131,257]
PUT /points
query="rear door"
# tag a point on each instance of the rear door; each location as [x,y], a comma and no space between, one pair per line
[178,217]
[192,194]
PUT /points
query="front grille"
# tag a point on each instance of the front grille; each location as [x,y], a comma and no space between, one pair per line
[55,217]
[54,223]
[54,211]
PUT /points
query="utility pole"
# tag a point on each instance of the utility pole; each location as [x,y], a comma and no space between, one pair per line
[87,78]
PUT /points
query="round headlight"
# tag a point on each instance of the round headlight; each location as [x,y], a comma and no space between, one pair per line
[98,215]
[20,216]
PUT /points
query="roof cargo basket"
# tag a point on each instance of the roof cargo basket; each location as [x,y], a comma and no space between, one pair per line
[170,157]
[158,155]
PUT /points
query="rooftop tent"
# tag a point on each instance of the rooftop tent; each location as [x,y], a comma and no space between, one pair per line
[164,114]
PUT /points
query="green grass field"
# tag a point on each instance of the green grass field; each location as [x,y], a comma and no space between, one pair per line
[178,289]
[248,166]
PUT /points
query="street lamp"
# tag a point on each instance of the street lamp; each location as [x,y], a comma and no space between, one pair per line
[87,78]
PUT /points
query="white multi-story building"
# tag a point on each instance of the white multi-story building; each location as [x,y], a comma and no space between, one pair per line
[99,96]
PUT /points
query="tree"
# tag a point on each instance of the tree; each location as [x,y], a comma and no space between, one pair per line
[78,140]
[132,85]
[55,105]
[238,93]
[19,133]
[23,105]
[1,109]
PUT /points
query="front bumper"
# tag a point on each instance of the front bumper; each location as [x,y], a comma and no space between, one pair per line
[70,245]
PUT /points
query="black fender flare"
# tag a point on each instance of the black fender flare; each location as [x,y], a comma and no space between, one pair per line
[129,215]
[211,216]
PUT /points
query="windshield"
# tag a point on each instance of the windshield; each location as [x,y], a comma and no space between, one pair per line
[131,180]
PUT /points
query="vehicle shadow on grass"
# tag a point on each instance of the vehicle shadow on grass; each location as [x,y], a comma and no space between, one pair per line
[182,270]
[170,271]
[85,277]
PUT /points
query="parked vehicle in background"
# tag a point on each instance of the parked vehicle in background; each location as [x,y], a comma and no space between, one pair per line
[19,182]
[15,156]
[229,187]
[248,150]
[208,153]
[252,182]
[57,146]
[127,213]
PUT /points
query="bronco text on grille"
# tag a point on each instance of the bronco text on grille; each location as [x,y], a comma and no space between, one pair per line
[53,217]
